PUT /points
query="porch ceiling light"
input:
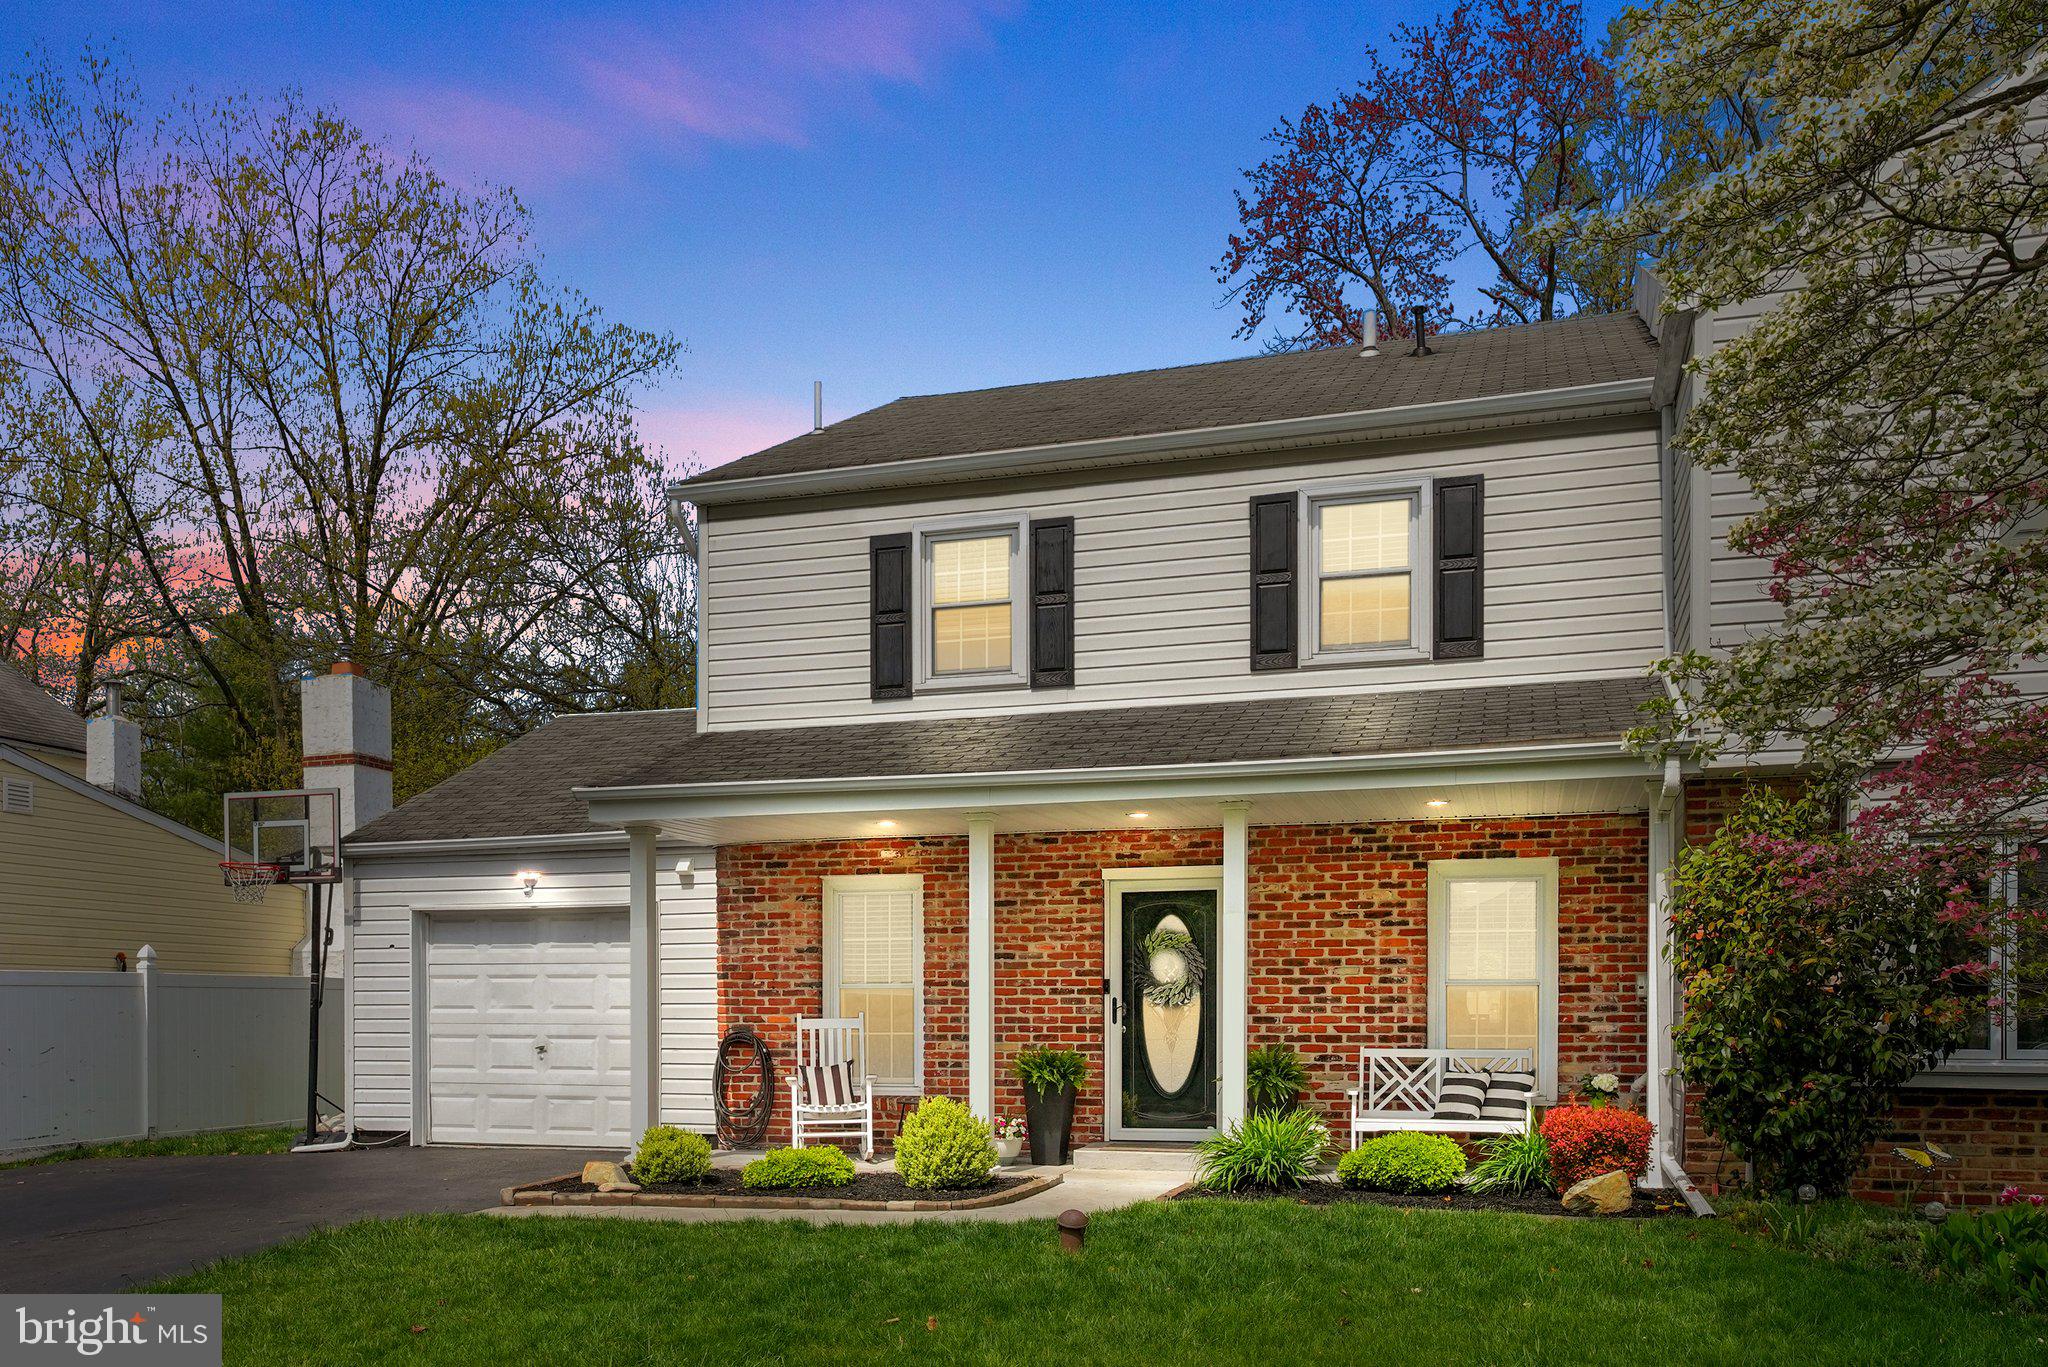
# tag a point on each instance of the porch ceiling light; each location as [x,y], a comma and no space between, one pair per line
[528,879]
[886,824]
[1137,816]
[1437,802]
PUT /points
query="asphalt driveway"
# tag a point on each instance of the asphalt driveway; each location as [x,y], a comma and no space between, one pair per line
[104,1224]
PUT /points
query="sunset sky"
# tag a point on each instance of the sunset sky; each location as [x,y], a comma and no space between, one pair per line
[893,197]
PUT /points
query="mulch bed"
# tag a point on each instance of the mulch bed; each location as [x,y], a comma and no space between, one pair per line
[1326,1193]
[867,1191]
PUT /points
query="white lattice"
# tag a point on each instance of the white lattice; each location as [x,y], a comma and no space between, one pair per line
[1398,1089]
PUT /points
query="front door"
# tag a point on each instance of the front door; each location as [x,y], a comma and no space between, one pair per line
[1163,1012]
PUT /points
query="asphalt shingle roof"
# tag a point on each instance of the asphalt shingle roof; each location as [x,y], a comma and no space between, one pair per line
[29,716]
[1564,353]
[526,788]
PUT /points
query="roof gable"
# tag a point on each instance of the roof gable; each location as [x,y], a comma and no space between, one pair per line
[29,716]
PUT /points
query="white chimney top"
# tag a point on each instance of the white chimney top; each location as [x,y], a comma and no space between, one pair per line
[113,748]
[1372,333]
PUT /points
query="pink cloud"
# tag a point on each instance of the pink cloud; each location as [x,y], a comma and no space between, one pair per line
[473,137]
[712,434]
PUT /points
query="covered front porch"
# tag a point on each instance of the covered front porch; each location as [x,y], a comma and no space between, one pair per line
[1311,886]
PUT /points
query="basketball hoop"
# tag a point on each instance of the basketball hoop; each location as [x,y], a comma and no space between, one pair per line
[248,881]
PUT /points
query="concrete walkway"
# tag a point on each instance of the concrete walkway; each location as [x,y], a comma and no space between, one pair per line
[1088,1189]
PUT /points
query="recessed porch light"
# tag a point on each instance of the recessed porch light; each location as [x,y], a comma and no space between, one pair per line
[1137,816]
[1437,802]
[886,824]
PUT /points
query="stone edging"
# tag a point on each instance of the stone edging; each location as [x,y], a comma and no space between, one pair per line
[531,1194]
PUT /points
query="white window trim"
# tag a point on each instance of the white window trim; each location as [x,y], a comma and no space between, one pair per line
[1543,872]
[829,986]
[1017,527]
[1421,579]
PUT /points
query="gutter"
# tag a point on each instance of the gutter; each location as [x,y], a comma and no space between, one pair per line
[705,491]
[484,844]
[1262,768]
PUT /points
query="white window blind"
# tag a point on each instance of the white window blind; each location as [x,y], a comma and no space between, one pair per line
[1493,959]
[971,607]
[872,969]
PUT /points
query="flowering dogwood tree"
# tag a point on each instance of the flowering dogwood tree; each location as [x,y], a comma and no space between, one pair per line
[1890,412]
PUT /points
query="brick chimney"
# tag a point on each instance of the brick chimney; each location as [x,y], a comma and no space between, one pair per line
[113,747]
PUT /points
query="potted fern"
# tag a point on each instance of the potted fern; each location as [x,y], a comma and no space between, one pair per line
[1274,1078]
[1052,1078]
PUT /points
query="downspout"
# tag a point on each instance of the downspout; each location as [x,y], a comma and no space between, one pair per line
[1665,813]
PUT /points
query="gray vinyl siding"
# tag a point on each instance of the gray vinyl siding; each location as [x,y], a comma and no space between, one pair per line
[391,891]
[1573,583]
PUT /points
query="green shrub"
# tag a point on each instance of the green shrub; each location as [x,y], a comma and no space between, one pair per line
[943,1144]
[1404,1163]
[1265,1149]
[667,1154]
[2006,1246]
[817,1166]
[1514,1164]
[1274,1077]
[1044,1070]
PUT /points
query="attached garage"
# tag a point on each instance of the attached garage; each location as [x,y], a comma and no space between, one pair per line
[529,1029]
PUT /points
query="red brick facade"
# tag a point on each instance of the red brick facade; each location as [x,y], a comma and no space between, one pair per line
[1338,928]
[2001,1137]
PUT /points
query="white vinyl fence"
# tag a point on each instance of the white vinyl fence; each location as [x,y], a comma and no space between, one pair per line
[90,1057]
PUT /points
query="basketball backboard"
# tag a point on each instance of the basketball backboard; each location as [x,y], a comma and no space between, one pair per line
[294,829]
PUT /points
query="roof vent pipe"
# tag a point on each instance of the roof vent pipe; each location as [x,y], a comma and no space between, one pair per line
[1371,325]
[1421,333]
[817,405]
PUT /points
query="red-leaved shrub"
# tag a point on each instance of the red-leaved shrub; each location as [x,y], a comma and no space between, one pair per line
[1586,1141]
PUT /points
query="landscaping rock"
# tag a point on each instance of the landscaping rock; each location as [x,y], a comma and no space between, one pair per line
[1607,1194]
[607,1177]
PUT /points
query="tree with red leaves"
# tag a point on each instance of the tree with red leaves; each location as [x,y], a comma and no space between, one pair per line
[1475,127]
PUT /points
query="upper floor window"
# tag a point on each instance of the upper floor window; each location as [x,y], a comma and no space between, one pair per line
[1366,595]
[971,623]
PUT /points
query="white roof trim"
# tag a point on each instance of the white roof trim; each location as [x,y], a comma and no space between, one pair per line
[486,844]
[120,804]
[1016,460]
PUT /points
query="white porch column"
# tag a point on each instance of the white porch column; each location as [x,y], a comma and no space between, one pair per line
[1233,948]
[981,963]
[1666,815]
[643,919]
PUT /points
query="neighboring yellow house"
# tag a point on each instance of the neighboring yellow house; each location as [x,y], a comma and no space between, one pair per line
[87,872]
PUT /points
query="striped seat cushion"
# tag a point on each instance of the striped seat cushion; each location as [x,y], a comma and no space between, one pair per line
[1460,1096]
[1507,1096]
[830,1085]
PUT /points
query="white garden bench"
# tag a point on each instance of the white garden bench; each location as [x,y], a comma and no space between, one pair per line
[1398,1090]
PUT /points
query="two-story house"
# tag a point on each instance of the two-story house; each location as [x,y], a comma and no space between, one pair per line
[1322,660]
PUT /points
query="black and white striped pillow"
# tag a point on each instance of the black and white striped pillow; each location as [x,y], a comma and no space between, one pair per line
[1507,1096]
[830,1085]
[1460,1096]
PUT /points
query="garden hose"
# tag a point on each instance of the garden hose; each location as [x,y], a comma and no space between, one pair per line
[745,1130]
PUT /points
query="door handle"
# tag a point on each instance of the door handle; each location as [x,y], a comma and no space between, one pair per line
[540,1046]
[1116,1009]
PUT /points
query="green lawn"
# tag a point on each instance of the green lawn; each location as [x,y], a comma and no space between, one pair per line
[275,1140]
[1181,1282]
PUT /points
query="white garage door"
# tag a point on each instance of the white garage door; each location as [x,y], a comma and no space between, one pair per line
[528,1029]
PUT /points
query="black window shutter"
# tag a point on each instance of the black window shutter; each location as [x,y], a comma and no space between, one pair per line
[1460,567]
[1274,552]
[1052,602]
[889,571]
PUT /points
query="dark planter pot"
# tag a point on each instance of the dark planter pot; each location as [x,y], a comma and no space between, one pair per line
[1050,1118]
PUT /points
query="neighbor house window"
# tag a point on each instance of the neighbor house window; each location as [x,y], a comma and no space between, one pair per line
[971,621]
[874,938]
[2012,1031]
[1366,594]
[1493,959]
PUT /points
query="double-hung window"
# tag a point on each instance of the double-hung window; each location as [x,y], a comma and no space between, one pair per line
[874,967]
[2012,1032]
[970,604]
[1368,593]
[1493,959]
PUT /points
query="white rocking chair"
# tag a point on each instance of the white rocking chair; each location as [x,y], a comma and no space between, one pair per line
[831,1094]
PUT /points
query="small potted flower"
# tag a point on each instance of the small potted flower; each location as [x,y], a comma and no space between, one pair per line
[1009,1137]
[1600,1089]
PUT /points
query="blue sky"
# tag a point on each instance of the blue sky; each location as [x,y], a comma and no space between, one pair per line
[891,196]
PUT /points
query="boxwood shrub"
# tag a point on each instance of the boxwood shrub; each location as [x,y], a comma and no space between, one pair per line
[667,1154]
[1404,1162]
[817,1166]
[943,1144]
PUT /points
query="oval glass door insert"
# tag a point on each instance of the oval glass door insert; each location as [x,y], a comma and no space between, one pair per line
[1172,1034]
